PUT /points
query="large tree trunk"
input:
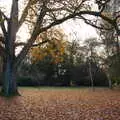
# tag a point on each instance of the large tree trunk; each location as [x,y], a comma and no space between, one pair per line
[9,87]
[9,69]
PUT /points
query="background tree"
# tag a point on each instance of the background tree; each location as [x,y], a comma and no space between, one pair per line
[110,40]
[50,55]
[42,69]
[54,48]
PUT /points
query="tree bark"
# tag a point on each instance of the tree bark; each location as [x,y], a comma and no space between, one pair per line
[91,76]
[109,81]
[9,87]
[9,70]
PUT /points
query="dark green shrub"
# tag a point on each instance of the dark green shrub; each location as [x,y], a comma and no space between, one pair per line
[27,81]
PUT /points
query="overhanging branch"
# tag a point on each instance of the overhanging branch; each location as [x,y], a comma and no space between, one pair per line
[34,45]
[89,22]
[37,30]
[97,14]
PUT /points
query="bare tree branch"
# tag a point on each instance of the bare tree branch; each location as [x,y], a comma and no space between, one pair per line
[34,45]
[25,12]
[6,18]
[34,35]
[40,43]
[2,24]
[97,14]
[90,22]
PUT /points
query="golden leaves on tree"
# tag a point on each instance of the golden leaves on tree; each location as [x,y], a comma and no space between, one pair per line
[54,48]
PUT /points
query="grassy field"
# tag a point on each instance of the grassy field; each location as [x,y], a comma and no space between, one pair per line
[51,103]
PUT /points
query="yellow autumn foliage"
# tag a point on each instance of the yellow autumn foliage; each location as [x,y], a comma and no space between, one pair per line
[54,48]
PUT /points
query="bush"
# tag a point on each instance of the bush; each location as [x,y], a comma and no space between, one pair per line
[116,81]
[27,81]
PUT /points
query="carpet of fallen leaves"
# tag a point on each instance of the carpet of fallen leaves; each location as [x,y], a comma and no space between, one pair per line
[62,104]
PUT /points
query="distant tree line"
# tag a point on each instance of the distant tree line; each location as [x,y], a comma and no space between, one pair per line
[61,63]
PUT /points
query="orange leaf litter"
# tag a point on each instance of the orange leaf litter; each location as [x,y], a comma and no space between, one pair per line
[62,104]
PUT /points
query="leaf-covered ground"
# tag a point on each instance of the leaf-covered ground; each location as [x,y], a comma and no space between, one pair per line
[62,104]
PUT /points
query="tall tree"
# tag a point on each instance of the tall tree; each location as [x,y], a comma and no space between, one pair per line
[41,15]
[111,41]
[91,54]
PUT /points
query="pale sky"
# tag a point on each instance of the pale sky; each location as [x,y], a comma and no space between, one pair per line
[71,27]
[77,28]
